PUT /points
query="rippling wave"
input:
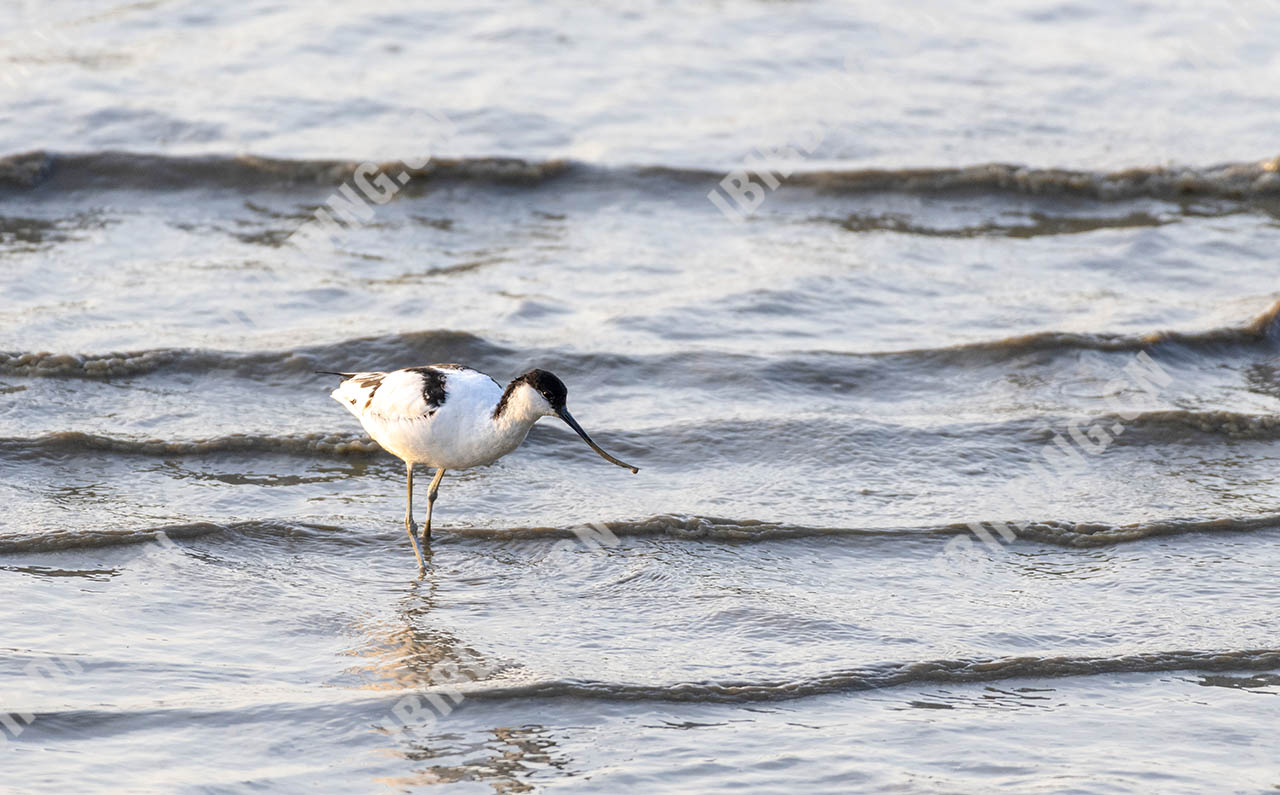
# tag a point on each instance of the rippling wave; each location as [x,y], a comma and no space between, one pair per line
[76,442]
[725,438]
[159,172]
[947,672]
[1265,327]
[411,348]
[1049,531]
[690,443]
[60,540]
[141,171]
[702,528]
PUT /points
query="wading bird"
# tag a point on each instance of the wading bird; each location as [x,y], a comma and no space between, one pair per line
[451,417]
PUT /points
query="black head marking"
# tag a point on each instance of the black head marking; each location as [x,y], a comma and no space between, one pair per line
[550,387]
[547,385]
[433,391]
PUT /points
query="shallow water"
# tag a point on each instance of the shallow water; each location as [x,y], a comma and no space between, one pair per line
[207,587]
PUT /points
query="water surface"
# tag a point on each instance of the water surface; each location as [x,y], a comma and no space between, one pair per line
[207,585]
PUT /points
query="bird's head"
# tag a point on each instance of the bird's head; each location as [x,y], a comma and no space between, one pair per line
[542,392]
[539,393]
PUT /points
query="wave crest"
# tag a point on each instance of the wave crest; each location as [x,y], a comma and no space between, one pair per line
[76,442]
[413,348]
[678,526]
[398,350]
[141,171]
[930,672]
[1047,531]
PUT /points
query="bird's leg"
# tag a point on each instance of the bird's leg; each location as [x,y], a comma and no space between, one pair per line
[409,524]
[431,501]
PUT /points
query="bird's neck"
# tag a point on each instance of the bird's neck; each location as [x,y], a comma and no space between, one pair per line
[517,410]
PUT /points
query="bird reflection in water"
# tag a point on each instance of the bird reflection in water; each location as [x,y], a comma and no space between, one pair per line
[411,655]
[506,759]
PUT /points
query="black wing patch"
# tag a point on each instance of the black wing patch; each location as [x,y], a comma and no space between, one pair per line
[433,391]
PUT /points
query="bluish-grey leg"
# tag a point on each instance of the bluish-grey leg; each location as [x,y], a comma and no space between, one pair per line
[431,501]
[410,526]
